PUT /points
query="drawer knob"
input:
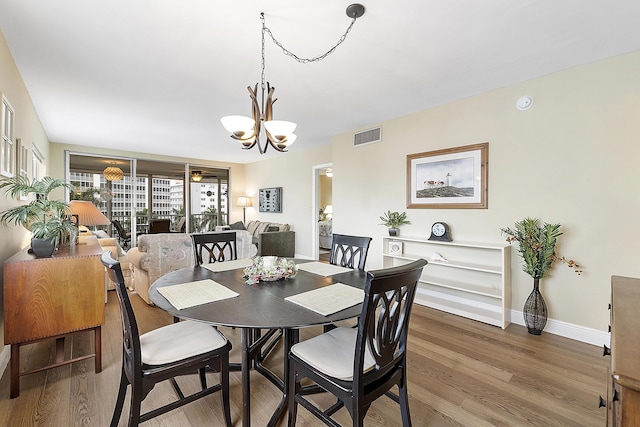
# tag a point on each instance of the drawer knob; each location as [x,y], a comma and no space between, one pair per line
[606,351]
[602,403]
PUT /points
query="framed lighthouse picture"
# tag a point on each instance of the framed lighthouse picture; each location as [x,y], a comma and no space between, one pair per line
[452,178]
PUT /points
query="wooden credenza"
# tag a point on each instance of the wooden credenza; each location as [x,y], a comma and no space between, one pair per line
[48,298]
[623,400]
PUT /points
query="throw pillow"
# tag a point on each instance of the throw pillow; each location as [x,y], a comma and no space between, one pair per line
[261,228]
[272,228]
[237,226]
[252,226]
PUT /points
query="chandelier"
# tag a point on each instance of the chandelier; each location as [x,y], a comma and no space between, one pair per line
[196,176]
[113,173]
[279,133]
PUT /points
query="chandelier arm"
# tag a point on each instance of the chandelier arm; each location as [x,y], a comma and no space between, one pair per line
[268,107]
[274,144]
[296,57]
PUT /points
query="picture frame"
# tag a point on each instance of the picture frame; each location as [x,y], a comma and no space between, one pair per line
[22,162]
[270,200]
[395,248]
[451,178]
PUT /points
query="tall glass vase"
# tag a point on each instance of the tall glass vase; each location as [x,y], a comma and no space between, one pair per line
[535,310]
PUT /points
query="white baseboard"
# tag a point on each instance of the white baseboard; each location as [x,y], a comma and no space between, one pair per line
[5,356]
[569,330]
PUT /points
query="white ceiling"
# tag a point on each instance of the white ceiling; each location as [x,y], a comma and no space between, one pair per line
[156,76]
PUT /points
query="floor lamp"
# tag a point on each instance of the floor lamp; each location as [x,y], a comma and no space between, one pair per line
[244,201]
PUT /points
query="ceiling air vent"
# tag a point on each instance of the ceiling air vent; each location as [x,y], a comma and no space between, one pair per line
[367,137]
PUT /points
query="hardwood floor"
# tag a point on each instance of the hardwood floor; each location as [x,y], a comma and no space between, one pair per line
[461,373]
[323,256]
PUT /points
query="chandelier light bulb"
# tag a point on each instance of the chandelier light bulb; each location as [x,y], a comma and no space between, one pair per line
[238,125]
[282,144]
[280,129]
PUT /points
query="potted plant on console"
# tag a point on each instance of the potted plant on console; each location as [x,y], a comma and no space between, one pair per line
[393,220]
[48,220]
[537,247]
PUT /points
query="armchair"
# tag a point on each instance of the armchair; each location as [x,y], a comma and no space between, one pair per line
[159,254]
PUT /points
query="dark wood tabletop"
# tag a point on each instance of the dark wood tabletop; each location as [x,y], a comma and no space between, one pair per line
[261,305]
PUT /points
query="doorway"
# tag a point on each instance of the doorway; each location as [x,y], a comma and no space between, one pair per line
[323,211]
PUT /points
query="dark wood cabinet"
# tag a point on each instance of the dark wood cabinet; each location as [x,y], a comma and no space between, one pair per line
[623,390]
[48,298]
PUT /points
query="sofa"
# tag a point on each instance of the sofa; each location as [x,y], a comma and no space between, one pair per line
[159,254]
[270,238]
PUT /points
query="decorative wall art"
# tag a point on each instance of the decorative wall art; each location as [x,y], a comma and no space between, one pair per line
[270,199]
[452,178]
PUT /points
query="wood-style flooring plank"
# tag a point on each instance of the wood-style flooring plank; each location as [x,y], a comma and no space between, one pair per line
[461,373]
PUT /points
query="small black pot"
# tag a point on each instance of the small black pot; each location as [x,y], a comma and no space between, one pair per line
[393,231]
[42,248]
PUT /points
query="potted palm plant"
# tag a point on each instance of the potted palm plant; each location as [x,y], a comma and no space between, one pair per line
[393,220]
[48,220]
[537,248]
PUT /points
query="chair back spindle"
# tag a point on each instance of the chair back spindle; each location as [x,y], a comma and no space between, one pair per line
[349,251]
[214,247]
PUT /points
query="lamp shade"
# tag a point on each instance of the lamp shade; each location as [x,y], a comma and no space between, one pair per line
[244,201]
[113,173]
[280,129]
[88,213]
[238,125]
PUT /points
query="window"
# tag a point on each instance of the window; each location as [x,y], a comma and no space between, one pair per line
[22,162]
[23,157]
[37,164]
[7,165]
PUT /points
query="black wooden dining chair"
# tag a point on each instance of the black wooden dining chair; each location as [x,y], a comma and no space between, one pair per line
[360,365]
[124,237]
[181,348]
[214,247]
[349,251]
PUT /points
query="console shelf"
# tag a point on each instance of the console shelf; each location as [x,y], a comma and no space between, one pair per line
[474,281]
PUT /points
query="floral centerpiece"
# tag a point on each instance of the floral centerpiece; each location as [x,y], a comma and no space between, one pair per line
[269,268]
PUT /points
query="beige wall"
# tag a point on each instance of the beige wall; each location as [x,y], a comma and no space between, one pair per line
[572,158]
[29,129]
[326,191]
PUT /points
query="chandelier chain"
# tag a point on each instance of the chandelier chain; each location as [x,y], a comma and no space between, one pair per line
[262,85]
[293,55]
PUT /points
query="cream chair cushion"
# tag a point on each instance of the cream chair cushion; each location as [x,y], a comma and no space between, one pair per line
[179,341]
[333,353]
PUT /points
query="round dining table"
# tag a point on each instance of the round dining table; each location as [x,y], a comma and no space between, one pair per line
[258,307]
